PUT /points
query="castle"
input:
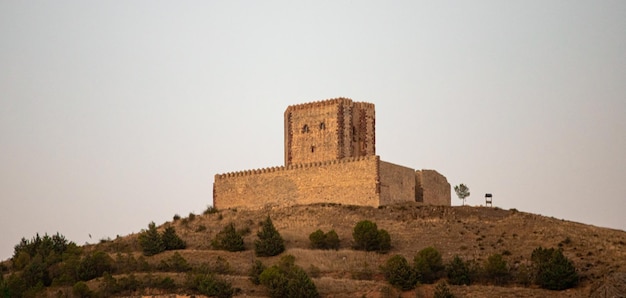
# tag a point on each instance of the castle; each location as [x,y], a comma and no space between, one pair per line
[330,157]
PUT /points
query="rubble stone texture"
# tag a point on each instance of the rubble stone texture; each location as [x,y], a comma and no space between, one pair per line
[330,157]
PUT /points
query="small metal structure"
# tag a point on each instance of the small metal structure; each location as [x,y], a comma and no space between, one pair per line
[488,200]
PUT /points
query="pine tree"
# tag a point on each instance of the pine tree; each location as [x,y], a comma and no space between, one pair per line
[171,241]
[150,241]
[270,243]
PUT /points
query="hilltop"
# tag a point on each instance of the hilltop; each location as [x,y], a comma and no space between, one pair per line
[473,233]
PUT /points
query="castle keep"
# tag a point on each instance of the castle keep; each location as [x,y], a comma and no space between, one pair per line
[330,157]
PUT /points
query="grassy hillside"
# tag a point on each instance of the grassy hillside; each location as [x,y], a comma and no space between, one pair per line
[473,233]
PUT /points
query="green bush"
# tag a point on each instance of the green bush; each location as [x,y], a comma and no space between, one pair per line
[255,271]
[211,286]
[399,273]
[321,240]
[368,237]
[497,270]
[553,270]
[442,291]
[94,265]
[175,263]
[288,280]
[150,241]
[171,241]
[269,242]
[458,272]
[228,239]
[81,289]
[428,265]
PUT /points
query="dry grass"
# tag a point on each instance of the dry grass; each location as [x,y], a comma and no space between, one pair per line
[470,232]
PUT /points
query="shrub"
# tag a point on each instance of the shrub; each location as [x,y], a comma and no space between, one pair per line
[367,237]
[399,274]
[428,265]
[270,243]
[255,271]
[150,241]
[171,241]
[496,269]
[442,291]
[94,265]
[458,272]
[81,289]
[176,217]
[553,270]
[288,280]
[228,239]
[208,285]
[210,210]
[321,240]
[176,263]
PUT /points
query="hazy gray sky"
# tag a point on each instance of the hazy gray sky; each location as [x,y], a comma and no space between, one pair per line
[117,113]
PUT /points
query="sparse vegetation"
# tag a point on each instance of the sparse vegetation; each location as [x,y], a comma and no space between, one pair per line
[270,242]
[488,254]
[368,237]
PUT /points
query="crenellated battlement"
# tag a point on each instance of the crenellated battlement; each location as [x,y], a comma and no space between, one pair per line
[259,171]
[318,103]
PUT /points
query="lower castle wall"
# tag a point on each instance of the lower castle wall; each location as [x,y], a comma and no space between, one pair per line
[432,188]
[397,184]
[349,181]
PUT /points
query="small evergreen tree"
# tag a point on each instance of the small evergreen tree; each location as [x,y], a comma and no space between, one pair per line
[255,271]
[288,280]
[321,240]
[458,272]
[428,265]
[368,237]
[228,239]
[553,270]
[496,269]
[399,273]
[171,241]
[150,241]
[270,243]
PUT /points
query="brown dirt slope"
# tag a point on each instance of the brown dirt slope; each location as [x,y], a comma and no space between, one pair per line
[474,233]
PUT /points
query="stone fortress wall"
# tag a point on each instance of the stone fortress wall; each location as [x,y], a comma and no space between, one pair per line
[330,157]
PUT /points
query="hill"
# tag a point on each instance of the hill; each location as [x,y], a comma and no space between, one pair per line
[473,233]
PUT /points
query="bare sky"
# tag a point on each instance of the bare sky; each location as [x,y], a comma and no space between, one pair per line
[117,113]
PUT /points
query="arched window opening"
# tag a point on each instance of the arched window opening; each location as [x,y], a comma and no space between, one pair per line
[305,129]
[312,149]
[322,126]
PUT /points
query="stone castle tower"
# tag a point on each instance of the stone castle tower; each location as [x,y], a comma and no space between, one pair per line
[329,130]
[330,157]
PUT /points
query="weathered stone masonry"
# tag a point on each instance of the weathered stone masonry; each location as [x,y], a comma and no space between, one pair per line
[330,157]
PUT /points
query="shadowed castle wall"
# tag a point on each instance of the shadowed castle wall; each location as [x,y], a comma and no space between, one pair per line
[432,188]
[351,181]
[397,183]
